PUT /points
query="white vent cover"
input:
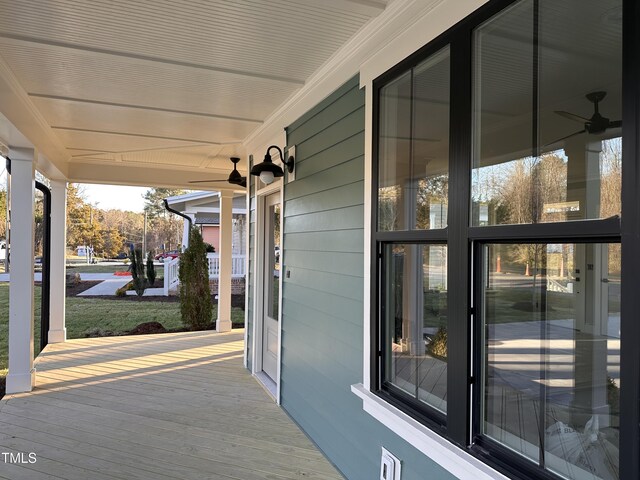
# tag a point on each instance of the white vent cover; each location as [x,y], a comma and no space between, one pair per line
[389,466]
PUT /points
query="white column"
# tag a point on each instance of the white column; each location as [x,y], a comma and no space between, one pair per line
[185,231]
[57,328]
[223,323]
[21,376]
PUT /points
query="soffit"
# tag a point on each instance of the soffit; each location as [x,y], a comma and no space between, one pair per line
[168,83]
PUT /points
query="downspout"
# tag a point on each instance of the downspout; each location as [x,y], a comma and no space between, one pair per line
[186,217]
[46,260]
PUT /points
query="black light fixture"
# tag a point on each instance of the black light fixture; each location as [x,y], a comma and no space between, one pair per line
[268,171]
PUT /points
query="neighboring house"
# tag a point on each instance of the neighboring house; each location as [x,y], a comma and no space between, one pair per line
[204,210]
[451,237]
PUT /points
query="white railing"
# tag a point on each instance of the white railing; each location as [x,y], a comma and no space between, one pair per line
[171,280]
[237,265]
[171,267]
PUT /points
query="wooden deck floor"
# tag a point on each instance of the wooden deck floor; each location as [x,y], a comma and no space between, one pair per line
[171,406]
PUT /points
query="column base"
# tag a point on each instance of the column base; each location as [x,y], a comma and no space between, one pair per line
[21,382]
[57,336]
[223,325]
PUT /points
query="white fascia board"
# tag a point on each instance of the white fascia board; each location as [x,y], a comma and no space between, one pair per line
[192,196]
[449,456]
[425,27]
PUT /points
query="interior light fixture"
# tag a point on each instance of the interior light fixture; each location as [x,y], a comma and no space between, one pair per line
[269,171]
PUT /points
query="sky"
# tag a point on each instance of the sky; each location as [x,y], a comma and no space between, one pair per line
[109,197]
[106,197]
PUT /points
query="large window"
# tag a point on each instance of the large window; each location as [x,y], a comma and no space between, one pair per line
[498,243]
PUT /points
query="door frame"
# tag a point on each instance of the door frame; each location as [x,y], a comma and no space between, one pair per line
[258,284]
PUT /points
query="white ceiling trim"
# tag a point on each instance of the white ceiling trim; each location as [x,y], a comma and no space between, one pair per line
[143,107]
[146,58]
[141,135]
[365,7]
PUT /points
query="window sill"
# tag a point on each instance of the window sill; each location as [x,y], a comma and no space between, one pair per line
[450,457]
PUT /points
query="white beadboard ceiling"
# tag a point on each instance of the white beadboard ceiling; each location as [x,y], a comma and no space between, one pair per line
[168,84]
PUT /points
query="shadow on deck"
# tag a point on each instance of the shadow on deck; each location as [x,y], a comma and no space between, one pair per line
[169,406]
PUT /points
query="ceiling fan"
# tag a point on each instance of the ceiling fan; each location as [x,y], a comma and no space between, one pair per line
[596,124]
[234,177]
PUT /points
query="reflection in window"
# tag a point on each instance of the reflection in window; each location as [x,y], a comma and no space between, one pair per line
[415,352]
[273,250]
[413,148]
[551,381]
[547,110]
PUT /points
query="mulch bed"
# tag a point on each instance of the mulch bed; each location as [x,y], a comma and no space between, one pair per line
[75,289]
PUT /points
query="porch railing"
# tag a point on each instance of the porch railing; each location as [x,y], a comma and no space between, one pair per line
[171,280]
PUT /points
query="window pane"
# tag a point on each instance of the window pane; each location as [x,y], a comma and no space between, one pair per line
[415,305]
[552,354]
[273,250]
[414,147]
[547,130]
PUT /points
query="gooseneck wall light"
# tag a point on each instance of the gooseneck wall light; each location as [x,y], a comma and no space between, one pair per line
[269,171]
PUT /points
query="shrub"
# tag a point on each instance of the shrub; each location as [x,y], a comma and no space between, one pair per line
[210,248]
[151,270]
[438,345]
[137,270]
[195,297]
[122,291]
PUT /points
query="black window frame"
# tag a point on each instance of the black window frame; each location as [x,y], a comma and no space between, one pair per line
[464,243]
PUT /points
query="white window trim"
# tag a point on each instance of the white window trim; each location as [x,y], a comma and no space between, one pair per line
[450,457]
[260,193]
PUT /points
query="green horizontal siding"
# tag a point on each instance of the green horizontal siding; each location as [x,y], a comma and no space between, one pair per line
[322,309]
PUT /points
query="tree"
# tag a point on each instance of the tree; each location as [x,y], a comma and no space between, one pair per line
[83,225]
[137,270]
[39,224]
[195,296]
[113,243]
[3,213]
[154,200]
[165,228]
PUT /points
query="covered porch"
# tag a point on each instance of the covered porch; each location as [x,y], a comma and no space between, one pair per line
[169,406]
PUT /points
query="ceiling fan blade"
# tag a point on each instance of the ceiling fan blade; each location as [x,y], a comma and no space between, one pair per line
[584,130]
[242,181]
[571,116]
[615,124]
[206,181]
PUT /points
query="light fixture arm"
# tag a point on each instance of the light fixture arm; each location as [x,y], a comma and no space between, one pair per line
[289,162]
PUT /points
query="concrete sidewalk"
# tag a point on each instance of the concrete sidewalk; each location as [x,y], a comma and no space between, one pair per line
[110,283]
[37,276]
[106,287]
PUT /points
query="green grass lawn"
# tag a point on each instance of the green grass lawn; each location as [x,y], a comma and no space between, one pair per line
[106,268]
[87,316]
